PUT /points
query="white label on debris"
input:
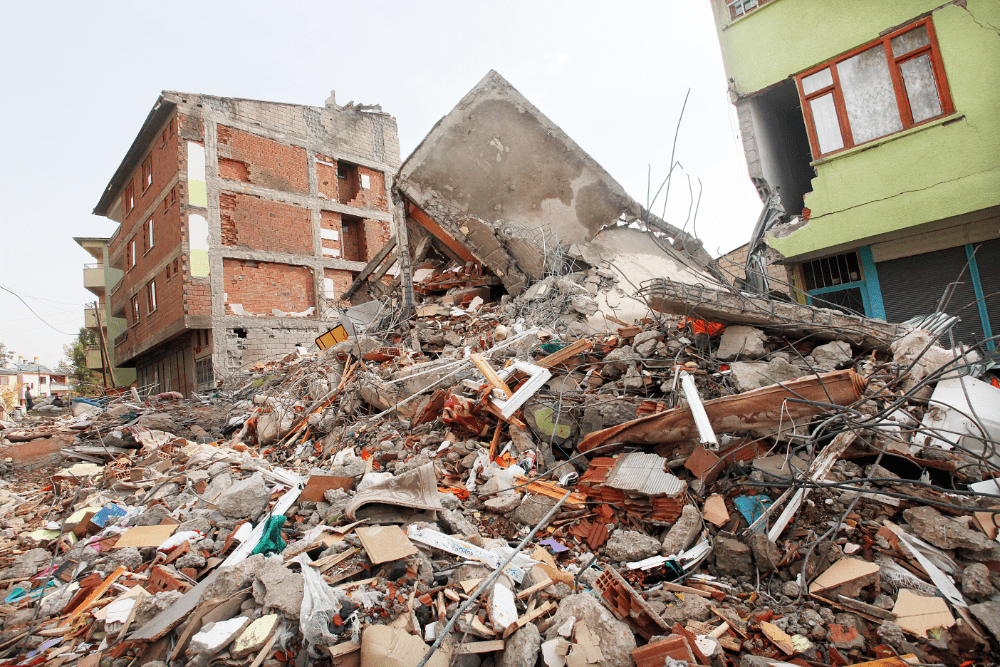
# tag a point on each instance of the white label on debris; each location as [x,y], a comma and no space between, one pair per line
[458,547]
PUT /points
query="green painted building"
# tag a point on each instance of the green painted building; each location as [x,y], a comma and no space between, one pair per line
[879,124]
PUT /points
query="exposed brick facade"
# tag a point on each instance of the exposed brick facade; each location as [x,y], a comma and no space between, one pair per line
[260,287]
[279,183]
[268,163]
[249,221]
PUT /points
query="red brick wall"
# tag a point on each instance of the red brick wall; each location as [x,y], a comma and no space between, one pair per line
[249,221]
[262,286]
[341,280]
[326,177]
[376,236]
[353,240]
[164,163]
[268,163]
[332,221]
[197,296]
[373,197]
[169,308]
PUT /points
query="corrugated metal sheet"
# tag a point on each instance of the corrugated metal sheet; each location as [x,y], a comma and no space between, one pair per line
[912,286]
[646,474]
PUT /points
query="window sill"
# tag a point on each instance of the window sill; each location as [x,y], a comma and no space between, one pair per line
[875,143]
[146,252]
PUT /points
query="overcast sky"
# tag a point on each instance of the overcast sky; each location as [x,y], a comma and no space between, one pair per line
[79,79]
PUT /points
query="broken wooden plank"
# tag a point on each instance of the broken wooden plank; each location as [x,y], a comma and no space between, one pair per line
[537,587]
[568,352]
[369,268]
[95,595]
[490,374]
[527,618]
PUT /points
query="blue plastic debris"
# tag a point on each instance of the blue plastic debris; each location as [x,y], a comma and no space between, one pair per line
[751,507]
[105,513]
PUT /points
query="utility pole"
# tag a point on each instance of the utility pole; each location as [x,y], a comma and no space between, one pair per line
[104,347]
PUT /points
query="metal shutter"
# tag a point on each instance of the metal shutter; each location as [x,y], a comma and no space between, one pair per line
[988,261]
[912,286]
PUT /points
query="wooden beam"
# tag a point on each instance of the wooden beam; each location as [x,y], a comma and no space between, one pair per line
[564,354]
[434,228]
[370,267]
[491,375]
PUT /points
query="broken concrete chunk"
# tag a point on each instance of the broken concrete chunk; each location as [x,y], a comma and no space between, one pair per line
[765,552]
[945,533]
[628,546]
[832,354]
[533,509]
[750,375]
[976,582]
[502,607]
[615,637]
[246,498]
[683,532]
[732,557]
[255,636]
[741,341]
[521,648]
[502,503]
[988,613]
[283,589]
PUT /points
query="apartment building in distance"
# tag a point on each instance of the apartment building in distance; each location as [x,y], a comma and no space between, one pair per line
[240,222]
[99,278]
[877,122]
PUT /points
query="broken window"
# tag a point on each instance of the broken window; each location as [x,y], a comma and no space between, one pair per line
[128,199]
[147,173]
[151,296]
[875,90]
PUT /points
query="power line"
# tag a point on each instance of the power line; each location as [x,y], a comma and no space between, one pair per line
[33,311]
[48,301]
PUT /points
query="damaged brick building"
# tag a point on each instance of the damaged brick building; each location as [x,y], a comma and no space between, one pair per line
[876,123]
[240,224]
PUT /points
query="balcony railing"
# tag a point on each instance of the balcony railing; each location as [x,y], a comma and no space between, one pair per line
[121,338]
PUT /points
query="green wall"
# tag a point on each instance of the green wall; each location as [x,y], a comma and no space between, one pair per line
[918,176]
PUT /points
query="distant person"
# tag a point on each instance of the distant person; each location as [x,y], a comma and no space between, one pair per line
[27,398]
[58,402]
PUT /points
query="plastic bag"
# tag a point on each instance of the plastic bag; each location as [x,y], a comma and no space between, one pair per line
[320,603]
[270,541]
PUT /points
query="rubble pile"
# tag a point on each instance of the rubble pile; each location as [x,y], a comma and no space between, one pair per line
[491,483]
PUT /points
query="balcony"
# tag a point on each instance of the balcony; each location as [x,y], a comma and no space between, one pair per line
[59,386]
[93,278]
[90,318]
[94,358]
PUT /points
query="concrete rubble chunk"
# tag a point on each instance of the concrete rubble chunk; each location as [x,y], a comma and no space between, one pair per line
[732,557]
[683,533]
[245,498]
[830,355]
[502,503]
[631,545]
[976,582]
[765,552]
[616,640]
[750,375]
[521,648]
[945,533]
[532,509]
[741,341]
[283,589]
[213,637]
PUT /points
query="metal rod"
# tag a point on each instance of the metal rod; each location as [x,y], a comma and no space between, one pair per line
[488,581]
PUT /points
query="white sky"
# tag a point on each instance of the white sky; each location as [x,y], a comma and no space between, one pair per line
[79,78]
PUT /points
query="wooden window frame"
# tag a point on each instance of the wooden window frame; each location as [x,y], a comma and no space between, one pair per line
[128,199]
[902,100]
[147,173]
[135,310]
[147,235]
[151,297]
[130,254]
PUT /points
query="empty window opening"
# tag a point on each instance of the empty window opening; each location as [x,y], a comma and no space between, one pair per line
[348,182]
[352,239]
[240,333]
[128,199]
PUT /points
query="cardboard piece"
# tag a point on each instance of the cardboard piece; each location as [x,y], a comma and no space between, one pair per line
[145,536]
[588,642]
[320,484]
[917,613]
[382,646]
[345,654]
[385,543]
[845,571]
[714,511]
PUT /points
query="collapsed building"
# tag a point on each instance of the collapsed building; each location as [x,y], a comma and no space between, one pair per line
[550,434]
[240,222]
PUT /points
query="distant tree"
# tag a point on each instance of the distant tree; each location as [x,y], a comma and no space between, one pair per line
[75,363]
[5,356]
